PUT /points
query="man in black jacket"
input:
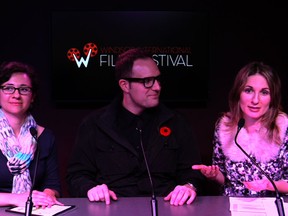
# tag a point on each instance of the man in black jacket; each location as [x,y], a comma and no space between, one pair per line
[108,159]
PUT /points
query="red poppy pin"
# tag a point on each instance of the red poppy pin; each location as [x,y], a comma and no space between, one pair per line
[165,131]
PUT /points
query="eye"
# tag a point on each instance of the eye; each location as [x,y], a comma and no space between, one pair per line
[248,90]
[9,88]
[148,80]
[25,89]
[265,92]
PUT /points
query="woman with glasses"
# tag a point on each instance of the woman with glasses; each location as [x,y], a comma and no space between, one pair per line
[20,139]
[115,145]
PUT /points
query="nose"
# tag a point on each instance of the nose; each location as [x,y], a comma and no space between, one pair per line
[16,93]
[255,99]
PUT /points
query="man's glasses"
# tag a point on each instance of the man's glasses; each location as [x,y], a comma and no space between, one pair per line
[11,89]
[148,82]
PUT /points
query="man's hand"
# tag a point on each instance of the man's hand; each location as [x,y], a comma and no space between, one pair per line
[180,195]
[101,193]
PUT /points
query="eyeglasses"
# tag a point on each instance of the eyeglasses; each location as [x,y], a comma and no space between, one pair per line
[11,89]
[148,82]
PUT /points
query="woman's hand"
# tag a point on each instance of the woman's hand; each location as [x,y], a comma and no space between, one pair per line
[44,199]
[259,185]
[210,172]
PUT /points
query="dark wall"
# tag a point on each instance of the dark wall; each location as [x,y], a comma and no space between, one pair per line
[239,33]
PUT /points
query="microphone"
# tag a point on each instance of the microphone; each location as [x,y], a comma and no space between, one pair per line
[154,206]
[29,203]
[278,201]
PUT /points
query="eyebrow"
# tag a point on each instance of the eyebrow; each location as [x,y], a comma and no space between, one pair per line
[21,85]
[253,87]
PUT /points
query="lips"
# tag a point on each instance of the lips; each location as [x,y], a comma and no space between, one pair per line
[254,109]
[16,103]
[154,96]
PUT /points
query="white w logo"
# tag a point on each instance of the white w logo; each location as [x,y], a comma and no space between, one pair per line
[82,60]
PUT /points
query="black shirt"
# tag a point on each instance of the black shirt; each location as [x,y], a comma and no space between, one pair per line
[137,128]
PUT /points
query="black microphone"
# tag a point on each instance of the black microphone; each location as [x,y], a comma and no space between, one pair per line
[154,204]
[29,203]
[278,201]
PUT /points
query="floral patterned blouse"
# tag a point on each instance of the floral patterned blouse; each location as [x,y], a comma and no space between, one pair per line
[236,166]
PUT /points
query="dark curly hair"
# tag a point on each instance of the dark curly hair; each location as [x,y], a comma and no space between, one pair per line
[7,69]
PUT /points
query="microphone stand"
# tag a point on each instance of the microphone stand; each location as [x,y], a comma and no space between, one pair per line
[154,204]
[29,202]
[278,201]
